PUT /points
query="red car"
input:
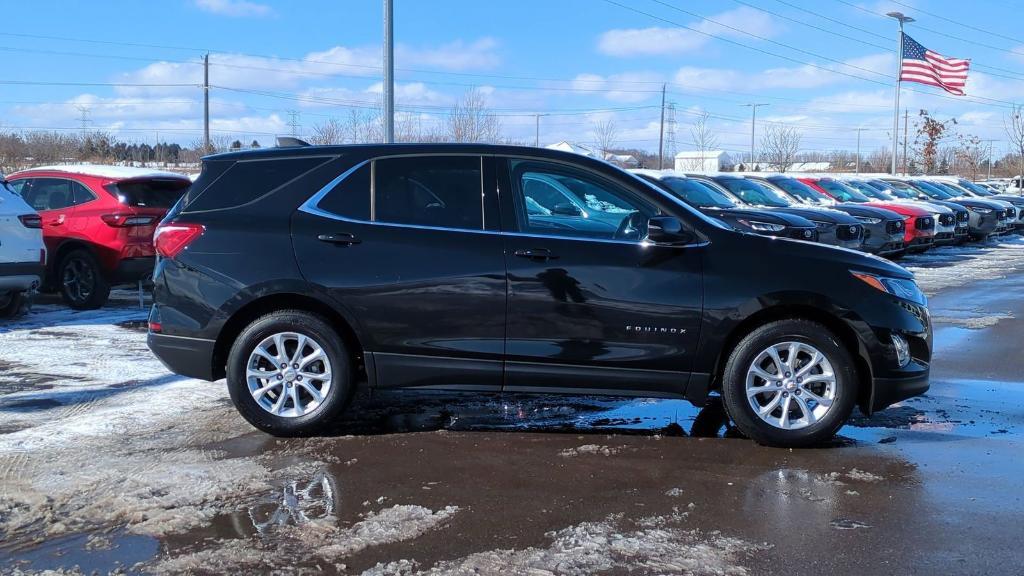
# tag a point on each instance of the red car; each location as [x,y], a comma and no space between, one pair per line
[98,224]
[920,229]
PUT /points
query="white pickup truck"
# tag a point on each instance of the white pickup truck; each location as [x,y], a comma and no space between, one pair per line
[22,252]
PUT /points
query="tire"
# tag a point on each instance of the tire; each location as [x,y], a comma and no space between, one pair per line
[13,304]
[81,282]
[289,421]
[808,336]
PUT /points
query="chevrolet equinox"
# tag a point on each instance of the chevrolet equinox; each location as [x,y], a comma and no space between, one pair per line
[297,272]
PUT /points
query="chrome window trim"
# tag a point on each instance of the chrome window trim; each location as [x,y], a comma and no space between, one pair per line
[311,206]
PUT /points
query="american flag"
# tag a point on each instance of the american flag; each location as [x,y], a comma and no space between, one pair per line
[926,67]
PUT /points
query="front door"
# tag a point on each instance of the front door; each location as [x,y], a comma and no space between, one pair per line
[592,305]
[54,199]
[409,246]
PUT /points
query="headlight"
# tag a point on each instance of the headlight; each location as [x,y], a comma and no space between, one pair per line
[762,226]
[898,287]
[980,210]
[823,225]
[869,220]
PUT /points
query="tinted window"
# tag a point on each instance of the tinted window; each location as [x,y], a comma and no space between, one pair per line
[556,200]
[752,193]
[800,190]
[246,181]
[153,193]
[439,191]
[697,193]
[931,191]
[17,185]
[350,197]
[50,193]
[842,192]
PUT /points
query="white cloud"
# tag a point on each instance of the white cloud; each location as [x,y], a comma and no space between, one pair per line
[628,87]
[235,8]
[481,54]
[791,78]
[676,40]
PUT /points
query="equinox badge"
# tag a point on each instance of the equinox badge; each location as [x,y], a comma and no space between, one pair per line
[655,330]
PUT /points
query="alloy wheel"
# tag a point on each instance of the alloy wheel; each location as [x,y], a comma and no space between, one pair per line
[288,374]
[791,385]
[78,279]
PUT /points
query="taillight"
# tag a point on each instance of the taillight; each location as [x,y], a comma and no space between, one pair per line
[171,239]
[126,220]
[31,220]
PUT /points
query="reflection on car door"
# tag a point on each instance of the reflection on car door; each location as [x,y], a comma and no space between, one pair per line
[595,308]
[410,245]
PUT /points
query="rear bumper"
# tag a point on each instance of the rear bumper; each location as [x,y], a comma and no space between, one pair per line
[192,357]
[21,276]
[888,391]
[131,270]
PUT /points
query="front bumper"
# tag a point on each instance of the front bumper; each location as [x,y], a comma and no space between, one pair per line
[888,391]
[921,243]
[192,357]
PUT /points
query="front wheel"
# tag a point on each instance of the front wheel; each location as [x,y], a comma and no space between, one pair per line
[289,374]
[790,383]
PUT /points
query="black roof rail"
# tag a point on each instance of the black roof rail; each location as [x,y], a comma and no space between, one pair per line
[290,142]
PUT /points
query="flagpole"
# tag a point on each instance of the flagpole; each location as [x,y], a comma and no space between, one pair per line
[899,72]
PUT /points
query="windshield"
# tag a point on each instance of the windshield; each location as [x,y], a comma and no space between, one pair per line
[975,188]
[868,190]
[842,192]
[697,193]
[952,189]
[150,193]
[897,189]
[800,190]
[931,191]
[753,193]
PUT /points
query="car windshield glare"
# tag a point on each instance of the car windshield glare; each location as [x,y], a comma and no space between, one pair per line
[841,191]
[753,193]
[868,191]
[800,190]
[898,189]
[932,191]
[975,188]
[697,193]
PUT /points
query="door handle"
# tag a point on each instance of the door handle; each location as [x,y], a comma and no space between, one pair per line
[342,238]
[536,254]
[57,221]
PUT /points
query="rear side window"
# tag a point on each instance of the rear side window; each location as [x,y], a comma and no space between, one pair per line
[150,193]
[350,198]
[437,191]
[55,194]
[246,181]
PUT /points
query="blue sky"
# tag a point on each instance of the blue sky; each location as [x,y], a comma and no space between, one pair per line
[825,67]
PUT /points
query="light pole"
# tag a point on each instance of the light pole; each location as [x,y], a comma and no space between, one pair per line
[857,161]
[753,120]
[389,72]
[899,72]
[536,128]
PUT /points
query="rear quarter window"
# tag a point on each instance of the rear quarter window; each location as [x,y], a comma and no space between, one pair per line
[223,186]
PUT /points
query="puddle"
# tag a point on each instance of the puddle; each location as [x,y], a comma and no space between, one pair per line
[115,552]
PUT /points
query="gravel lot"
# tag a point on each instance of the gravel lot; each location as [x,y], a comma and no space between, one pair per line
[110,463]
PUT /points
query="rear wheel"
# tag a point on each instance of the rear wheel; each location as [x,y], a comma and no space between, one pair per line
[82,285]
[13,304]
[789,383]
[289,374]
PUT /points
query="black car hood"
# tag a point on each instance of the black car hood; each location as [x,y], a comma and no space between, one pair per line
[954,205]
[860,210]
[768,216]
[1015,200]
[979,203]
[809,254]
[819,214]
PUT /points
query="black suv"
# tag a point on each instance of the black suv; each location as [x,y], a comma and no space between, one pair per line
[299,272]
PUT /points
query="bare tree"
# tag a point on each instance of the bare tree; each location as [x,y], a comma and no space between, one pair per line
[470,120]
[1013,122]
[704,140]
[779,146]
[880,160]
[970,155]
[605,134]
[329,132]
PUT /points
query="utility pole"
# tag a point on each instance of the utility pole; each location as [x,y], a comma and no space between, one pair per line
[896,106]
[536,130]
[293,121]
[83,117]
[857,162]
[389,72]
[206,104]
[661,132]
[906,136]
[753,122]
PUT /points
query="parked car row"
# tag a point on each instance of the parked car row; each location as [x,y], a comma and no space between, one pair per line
[96,223]
[883,215]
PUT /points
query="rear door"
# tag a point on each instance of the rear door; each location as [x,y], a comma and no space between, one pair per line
[409,246]
[54,200]
[595,308]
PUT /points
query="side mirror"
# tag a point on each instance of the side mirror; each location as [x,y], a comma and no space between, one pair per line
[668,230]
[567,209]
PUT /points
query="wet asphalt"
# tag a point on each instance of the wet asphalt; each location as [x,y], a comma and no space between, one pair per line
[932,486]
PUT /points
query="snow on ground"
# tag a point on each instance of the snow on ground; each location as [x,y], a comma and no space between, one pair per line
[949,267]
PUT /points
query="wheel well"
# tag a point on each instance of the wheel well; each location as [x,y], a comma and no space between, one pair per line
[268,304]
[845,333]
[63,250]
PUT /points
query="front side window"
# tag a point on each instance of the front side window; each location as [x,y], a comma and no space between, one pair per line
[557,200]
[435,191]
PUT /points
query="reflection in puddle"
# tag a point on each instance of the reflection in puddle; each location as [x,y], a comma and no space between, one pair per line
[297,503]
[92,554]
